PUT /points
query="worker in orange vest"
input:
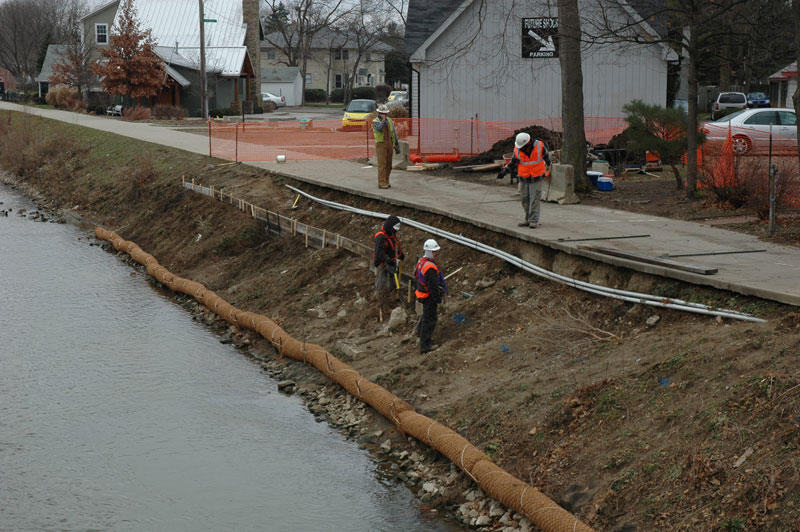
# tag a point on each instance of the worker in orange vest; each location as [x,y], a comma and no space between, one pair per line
[431,288]
[387,252]
[531,161]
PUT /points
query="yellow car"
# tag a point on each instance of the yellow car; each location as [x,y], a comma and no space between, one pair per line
[396,94]
[357,113]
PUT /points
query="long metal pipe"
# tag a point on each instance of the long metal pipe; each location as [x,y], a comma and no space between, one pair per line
[624,295]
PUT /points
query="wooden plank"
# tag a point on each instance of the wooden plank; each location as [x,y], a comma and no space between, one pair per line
[640,257]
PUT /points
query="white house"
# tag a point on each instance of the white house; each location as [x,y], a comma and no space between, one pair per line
[283,81]
[497,60]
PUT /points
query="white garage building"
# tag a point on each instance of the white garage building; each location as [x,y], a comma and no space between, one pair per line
[497,60]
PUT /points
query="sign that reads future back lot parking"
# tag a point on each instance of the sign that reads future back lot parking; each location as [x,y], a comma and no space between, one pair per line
[540,37]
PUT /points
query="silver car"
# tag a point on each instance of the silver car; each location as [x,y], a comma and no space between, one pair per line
[751,128]
[279,101]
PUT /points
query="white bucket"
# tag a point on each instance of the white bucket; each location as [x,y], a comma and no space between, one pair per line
[280,158]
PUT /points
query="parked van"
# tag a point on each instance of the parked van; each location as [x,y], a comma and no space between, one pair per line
[726,101]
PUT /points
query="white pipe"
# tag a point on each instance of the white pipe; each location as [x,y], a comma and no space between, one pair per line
[624,295]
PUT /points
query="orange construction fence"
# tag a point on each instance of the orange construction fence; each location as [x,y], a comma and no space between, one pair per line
[735,157]
[329,139]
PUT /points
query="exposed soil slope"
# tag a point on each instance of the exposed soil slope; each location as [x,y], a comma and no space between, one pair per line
[631,425]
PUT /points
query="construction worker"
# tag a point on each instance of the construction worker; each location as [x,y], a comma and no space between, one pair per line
[387,253]
[430,290]
[530,161]
[385,139]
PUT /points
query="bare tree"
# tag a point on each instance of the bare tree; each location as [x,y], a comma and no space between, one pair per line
[366,25]
[292,26]
[75,67]
[28,26]
[706,29]
[399,7]
[333,41]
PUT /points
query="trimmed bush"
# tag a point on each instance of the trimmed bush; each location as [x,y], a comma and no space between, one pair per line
[59,97]
[337,95]
[398,111]
[315,95]
[222,111]
[364,93]
[136,113]
[382,92]
[167,112]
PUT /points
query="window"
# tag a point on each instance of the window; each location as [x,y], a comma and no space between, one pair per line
[341,54]
[368,57]
[101,33]
[271,54]
[788,118]
[308,78]
[337,84]
[764,118]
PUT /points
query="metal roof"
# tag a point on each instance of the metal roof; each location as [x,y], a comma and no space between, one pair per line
[53,55]
[277,74]
[323,39]
[174,74]
[175,24]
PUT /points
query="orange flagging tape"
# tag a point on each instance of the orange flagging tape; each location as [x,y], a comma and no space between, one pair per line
[493,480]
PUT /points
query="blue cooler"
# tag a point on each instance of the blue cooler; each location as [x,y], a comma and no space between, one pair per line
[605,183]
[593,176]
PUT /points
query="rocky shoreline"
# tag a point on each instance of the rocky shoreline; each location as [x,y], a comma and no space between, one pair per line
[436,482]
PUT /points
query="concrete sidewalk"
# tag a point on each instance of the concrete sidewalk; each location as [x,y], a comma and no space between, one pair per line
[769,271]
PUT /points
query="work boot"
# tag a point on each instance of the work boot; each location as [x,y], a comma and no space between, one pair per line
[533,225]
[523,223]
[432,347]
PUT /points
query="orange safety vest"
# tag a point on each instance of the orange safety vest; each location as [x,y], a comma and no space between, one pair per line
[533,166]
[394,245]
[423,265]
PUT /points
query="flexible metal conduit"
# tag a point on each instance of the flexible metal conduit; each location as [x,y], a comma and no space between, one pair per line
[500,485]
[624,295]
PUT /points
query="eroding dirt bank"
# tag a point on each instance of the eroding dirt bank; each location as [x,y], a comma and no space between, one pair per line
[628,416]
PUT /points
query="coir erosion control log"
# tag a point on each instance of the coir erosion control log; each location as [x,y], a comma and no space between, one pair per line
[493,480]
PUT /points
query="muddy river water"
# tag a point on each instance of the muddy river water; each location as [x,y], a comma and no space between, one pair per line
[119,412]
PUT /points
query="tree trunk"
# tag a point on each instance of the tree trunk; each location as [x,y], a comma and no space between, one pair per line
[691,131]
[724,68]
[569,57]
[678,179]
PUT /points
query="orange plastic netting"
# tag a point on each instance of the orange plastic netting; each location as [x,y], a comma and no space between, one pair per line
[736,157]
[329,139]
[510,491]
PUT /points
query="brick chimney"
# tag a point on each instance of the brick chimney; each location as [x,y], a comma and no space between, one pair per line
[251,17]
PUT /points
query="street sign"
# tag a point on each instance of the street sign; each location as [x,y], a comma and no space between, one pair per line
[540,37]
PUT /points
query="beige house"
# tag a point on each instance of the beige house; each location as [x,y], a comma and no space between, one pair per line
[332,58]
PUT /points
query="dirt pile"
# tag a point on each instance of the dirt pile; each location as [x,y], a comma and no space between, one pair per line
[627,416]
[551,139]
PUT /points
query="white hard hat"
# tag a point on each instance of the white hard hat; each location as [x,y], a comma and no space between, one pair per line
[431,245]
[383,109]
[522,139]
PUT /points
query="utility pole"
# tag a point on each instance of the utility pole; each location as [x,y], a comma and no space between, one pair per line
[203,103]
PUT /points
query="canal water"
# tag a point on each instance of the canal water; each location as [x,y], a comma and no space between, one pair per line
[118,412]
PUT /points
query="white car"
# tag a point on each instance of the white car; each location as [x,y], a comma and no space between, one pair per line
[279,101]
[751,128]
